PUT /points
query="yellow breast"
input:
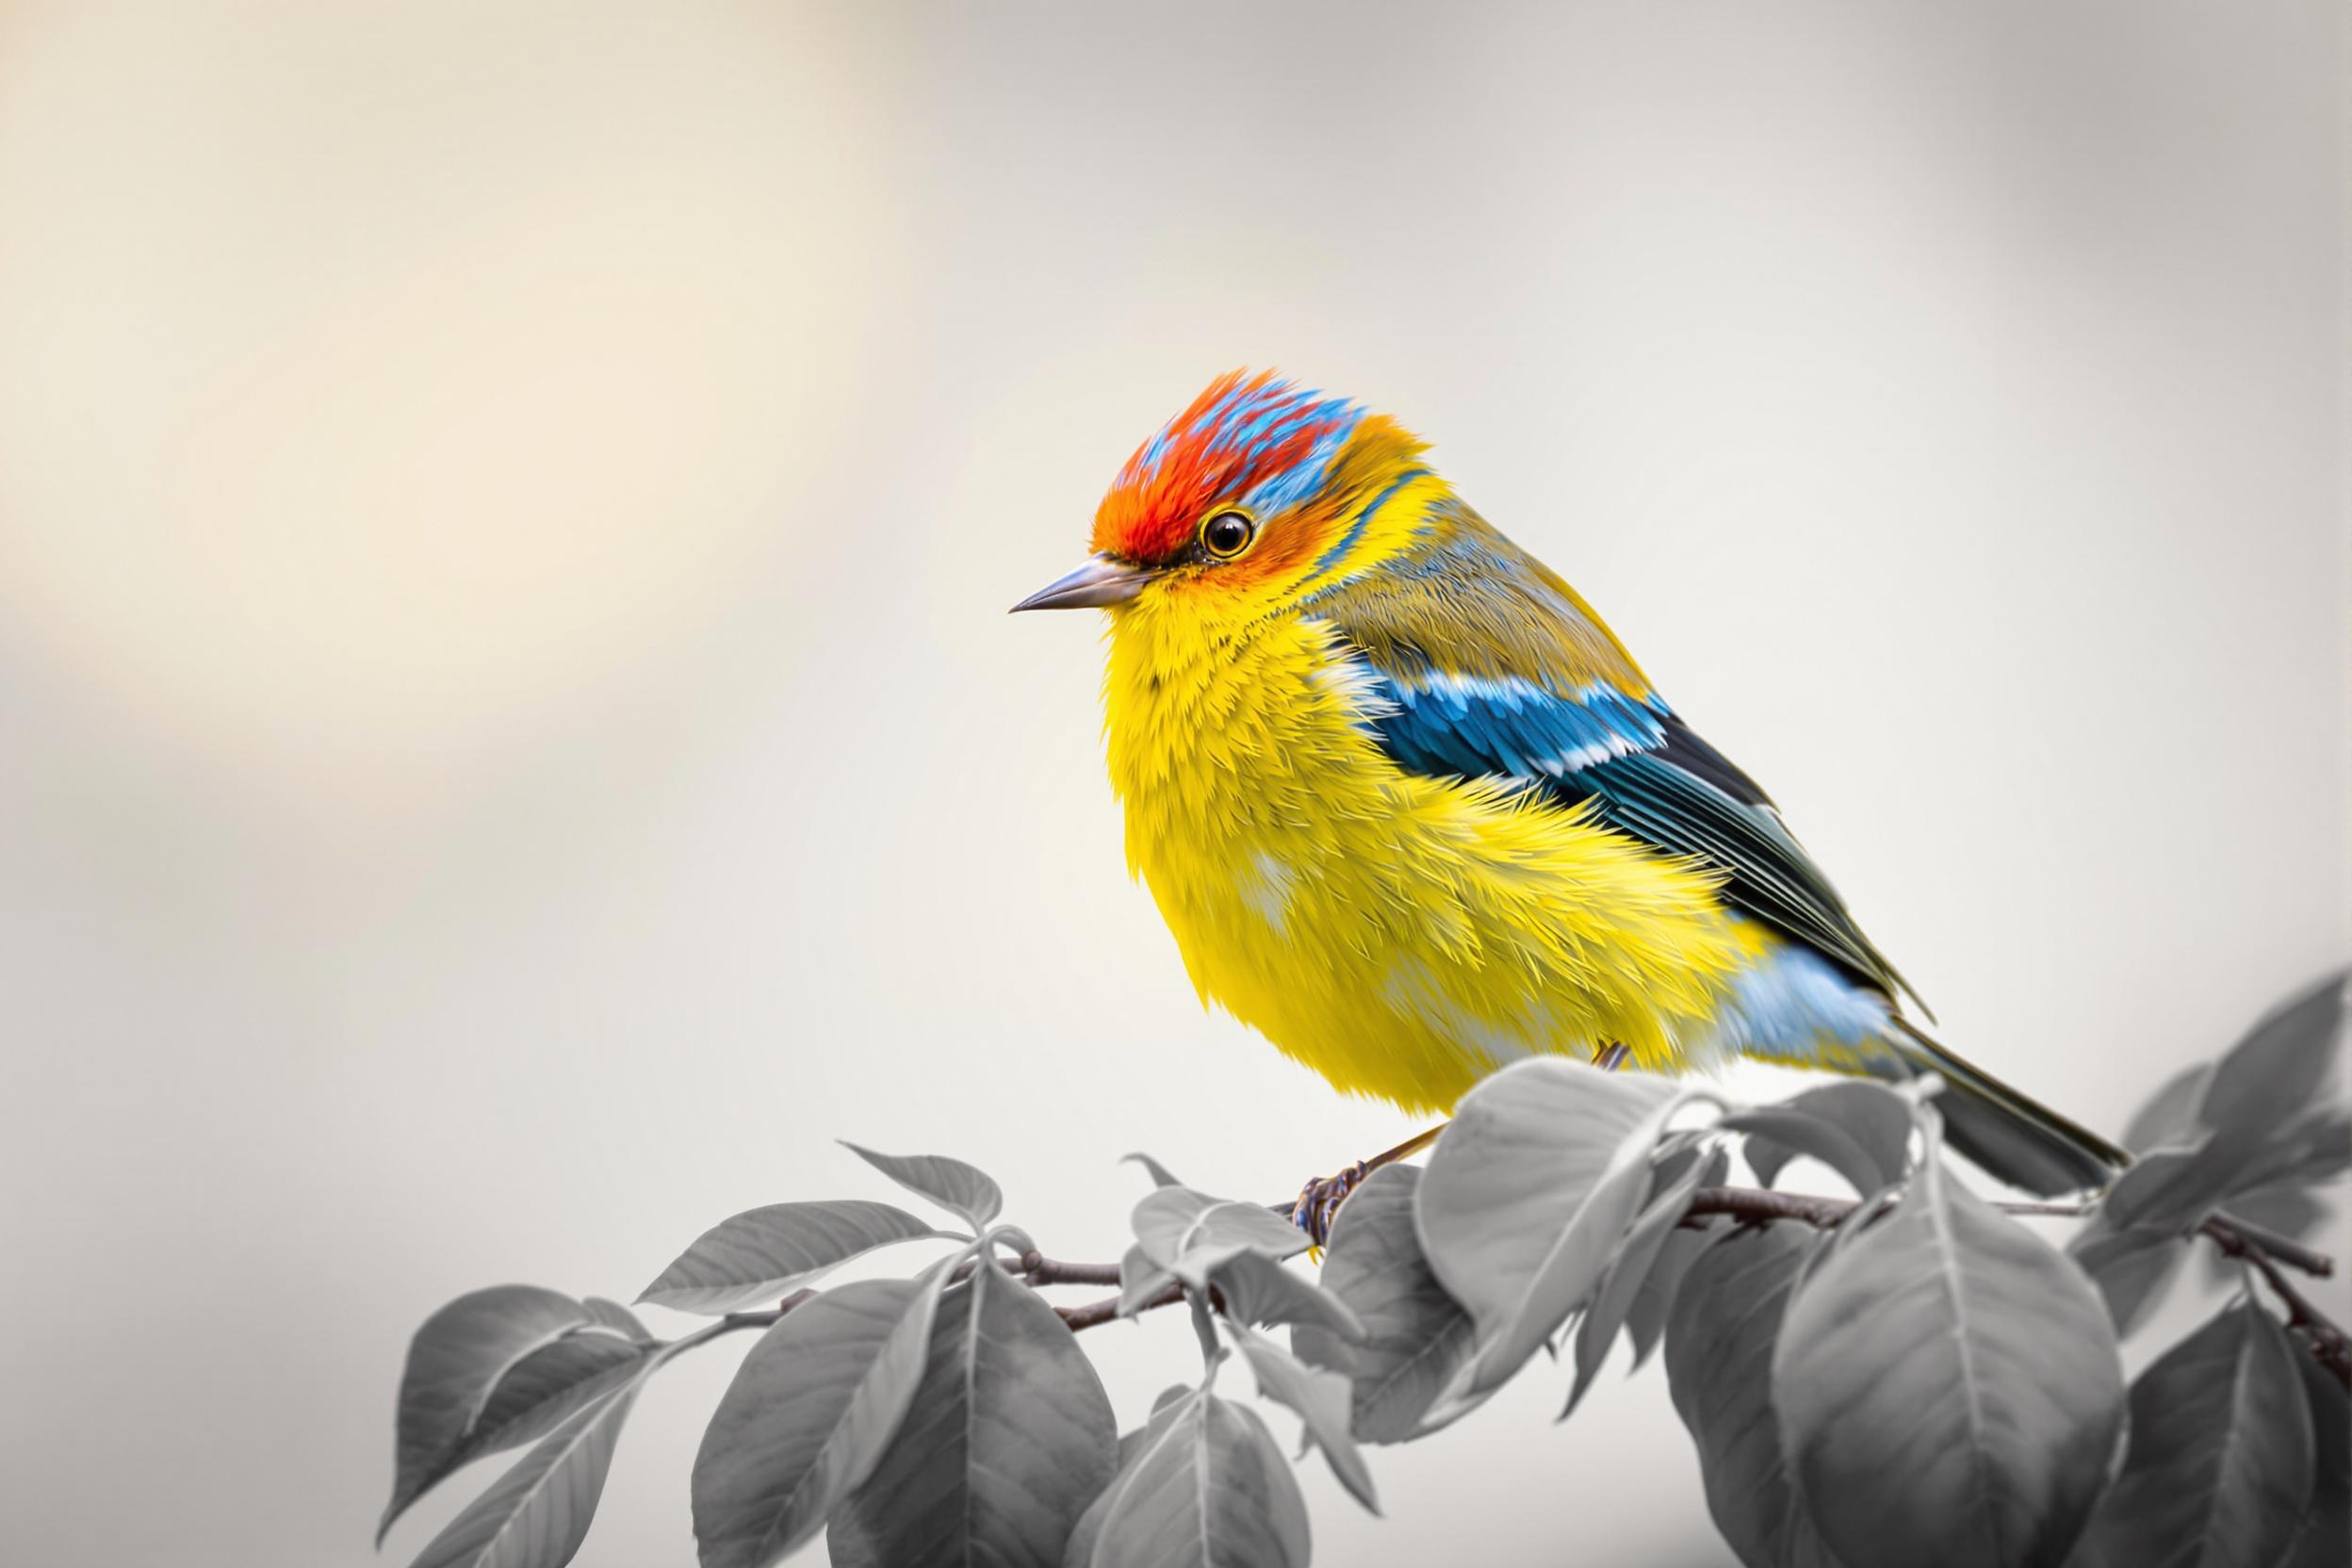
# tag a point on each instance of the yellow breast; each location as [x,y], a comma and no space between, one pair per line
[1401,935]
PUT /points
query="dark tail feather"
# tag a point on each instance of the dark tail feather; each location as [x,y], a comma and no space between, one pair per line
[2012,1138]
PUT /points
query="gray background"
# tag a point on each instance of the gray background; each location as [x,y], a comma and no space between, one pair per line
[510,741]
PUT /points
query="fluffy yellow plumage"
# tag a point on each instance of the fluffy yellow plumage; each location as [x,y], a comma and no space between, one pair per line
[1403,936]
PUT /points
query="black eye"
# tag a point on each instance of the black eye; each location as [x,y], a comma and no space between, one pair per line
[1227,535]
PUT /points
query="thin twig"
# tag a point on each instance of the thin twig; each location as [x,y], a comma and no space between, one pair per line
[736,1321]
[1040,1269]
[2285,1249]
[1095,1314]
[1035,1267]
[2328,1342]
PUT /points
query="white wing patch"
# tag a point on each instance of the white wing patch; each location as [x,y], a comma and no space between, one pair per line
[1266,885]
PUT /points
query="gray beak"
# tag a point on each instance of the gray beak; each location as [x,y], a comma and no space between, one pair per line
[1102,580]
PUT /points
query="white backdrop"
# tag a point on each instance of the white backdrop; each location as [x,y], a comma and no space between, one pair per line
[510,740]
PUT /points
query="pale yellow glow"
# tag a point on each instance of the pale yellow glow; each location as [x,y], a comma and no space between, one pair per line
[454,381]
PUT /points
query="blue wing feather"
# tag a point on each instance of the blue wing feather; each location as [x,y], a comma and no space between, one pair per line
[1645,772]
[1492,666]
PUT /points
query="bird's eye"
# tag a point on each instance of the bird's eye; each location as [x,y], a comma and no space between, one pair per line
[1227,535]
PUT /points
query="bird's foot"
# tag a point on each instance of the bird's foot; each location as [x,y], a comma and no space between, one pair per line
[1317,1207]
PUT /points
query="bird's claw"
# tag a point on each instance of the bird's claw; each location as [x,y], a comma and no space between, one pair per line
[1317,1208]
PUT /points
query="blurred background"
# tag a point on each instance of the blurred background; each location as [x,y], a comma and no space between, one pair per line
[510,741]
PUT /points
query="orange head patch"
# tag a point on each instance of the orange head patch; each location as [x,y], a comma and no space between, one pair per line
[1254,443]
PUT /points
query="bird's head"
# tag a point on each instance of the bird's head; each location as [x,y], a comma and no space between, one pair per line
[1259,492]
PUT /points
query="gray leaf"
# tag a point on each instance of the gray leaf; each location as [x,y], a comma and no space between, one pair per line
[2131,1268]
[2259,1104]
[2324,1538]
[1204,1329]
[958,1188]
[1088,1530]
[2220,1465]
[454,1363]
[1163,1410]
[1528,1193]
[1614,1298]
[1416,1337]
[1008,1439]
[1719,1365]
[2170,1189]
[2285,1064]
[1190,1233]
[1161,1176]
[1260,1292]
[1139,1281]
[1321,1400]
[1862,1131]
[2315,1148]
[1948,1387]
[764,1253]
[538,1514]
[1208,1490]
[2174,1188]
[1646,1320]
[806,1417]
[614,1317]
[543,1390]
[2169,1118]
[1169,1397]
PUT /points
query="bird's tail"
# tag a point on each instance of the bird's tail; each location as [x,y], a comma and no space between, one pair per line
[2012,1138]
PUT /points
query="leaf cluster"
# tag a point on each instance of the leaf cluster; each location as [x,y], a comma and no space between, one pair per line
[1908,1374]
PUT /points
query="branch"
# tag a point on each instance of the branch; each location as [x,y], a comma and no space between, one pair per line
[2278,1249]
[2328,1342]
[1032,1266]
[1040,1269]
[2263,1249]
[1095,1314]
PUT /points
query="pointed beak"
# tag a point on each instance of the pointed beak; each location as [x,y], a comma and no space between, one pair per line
[1102,580]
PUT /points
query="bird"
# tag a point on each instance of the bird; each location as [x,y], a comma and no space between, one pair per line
[1413,812]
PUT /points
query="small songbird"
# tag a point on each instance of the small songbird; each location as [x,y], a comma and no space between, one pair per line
[1412,811]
